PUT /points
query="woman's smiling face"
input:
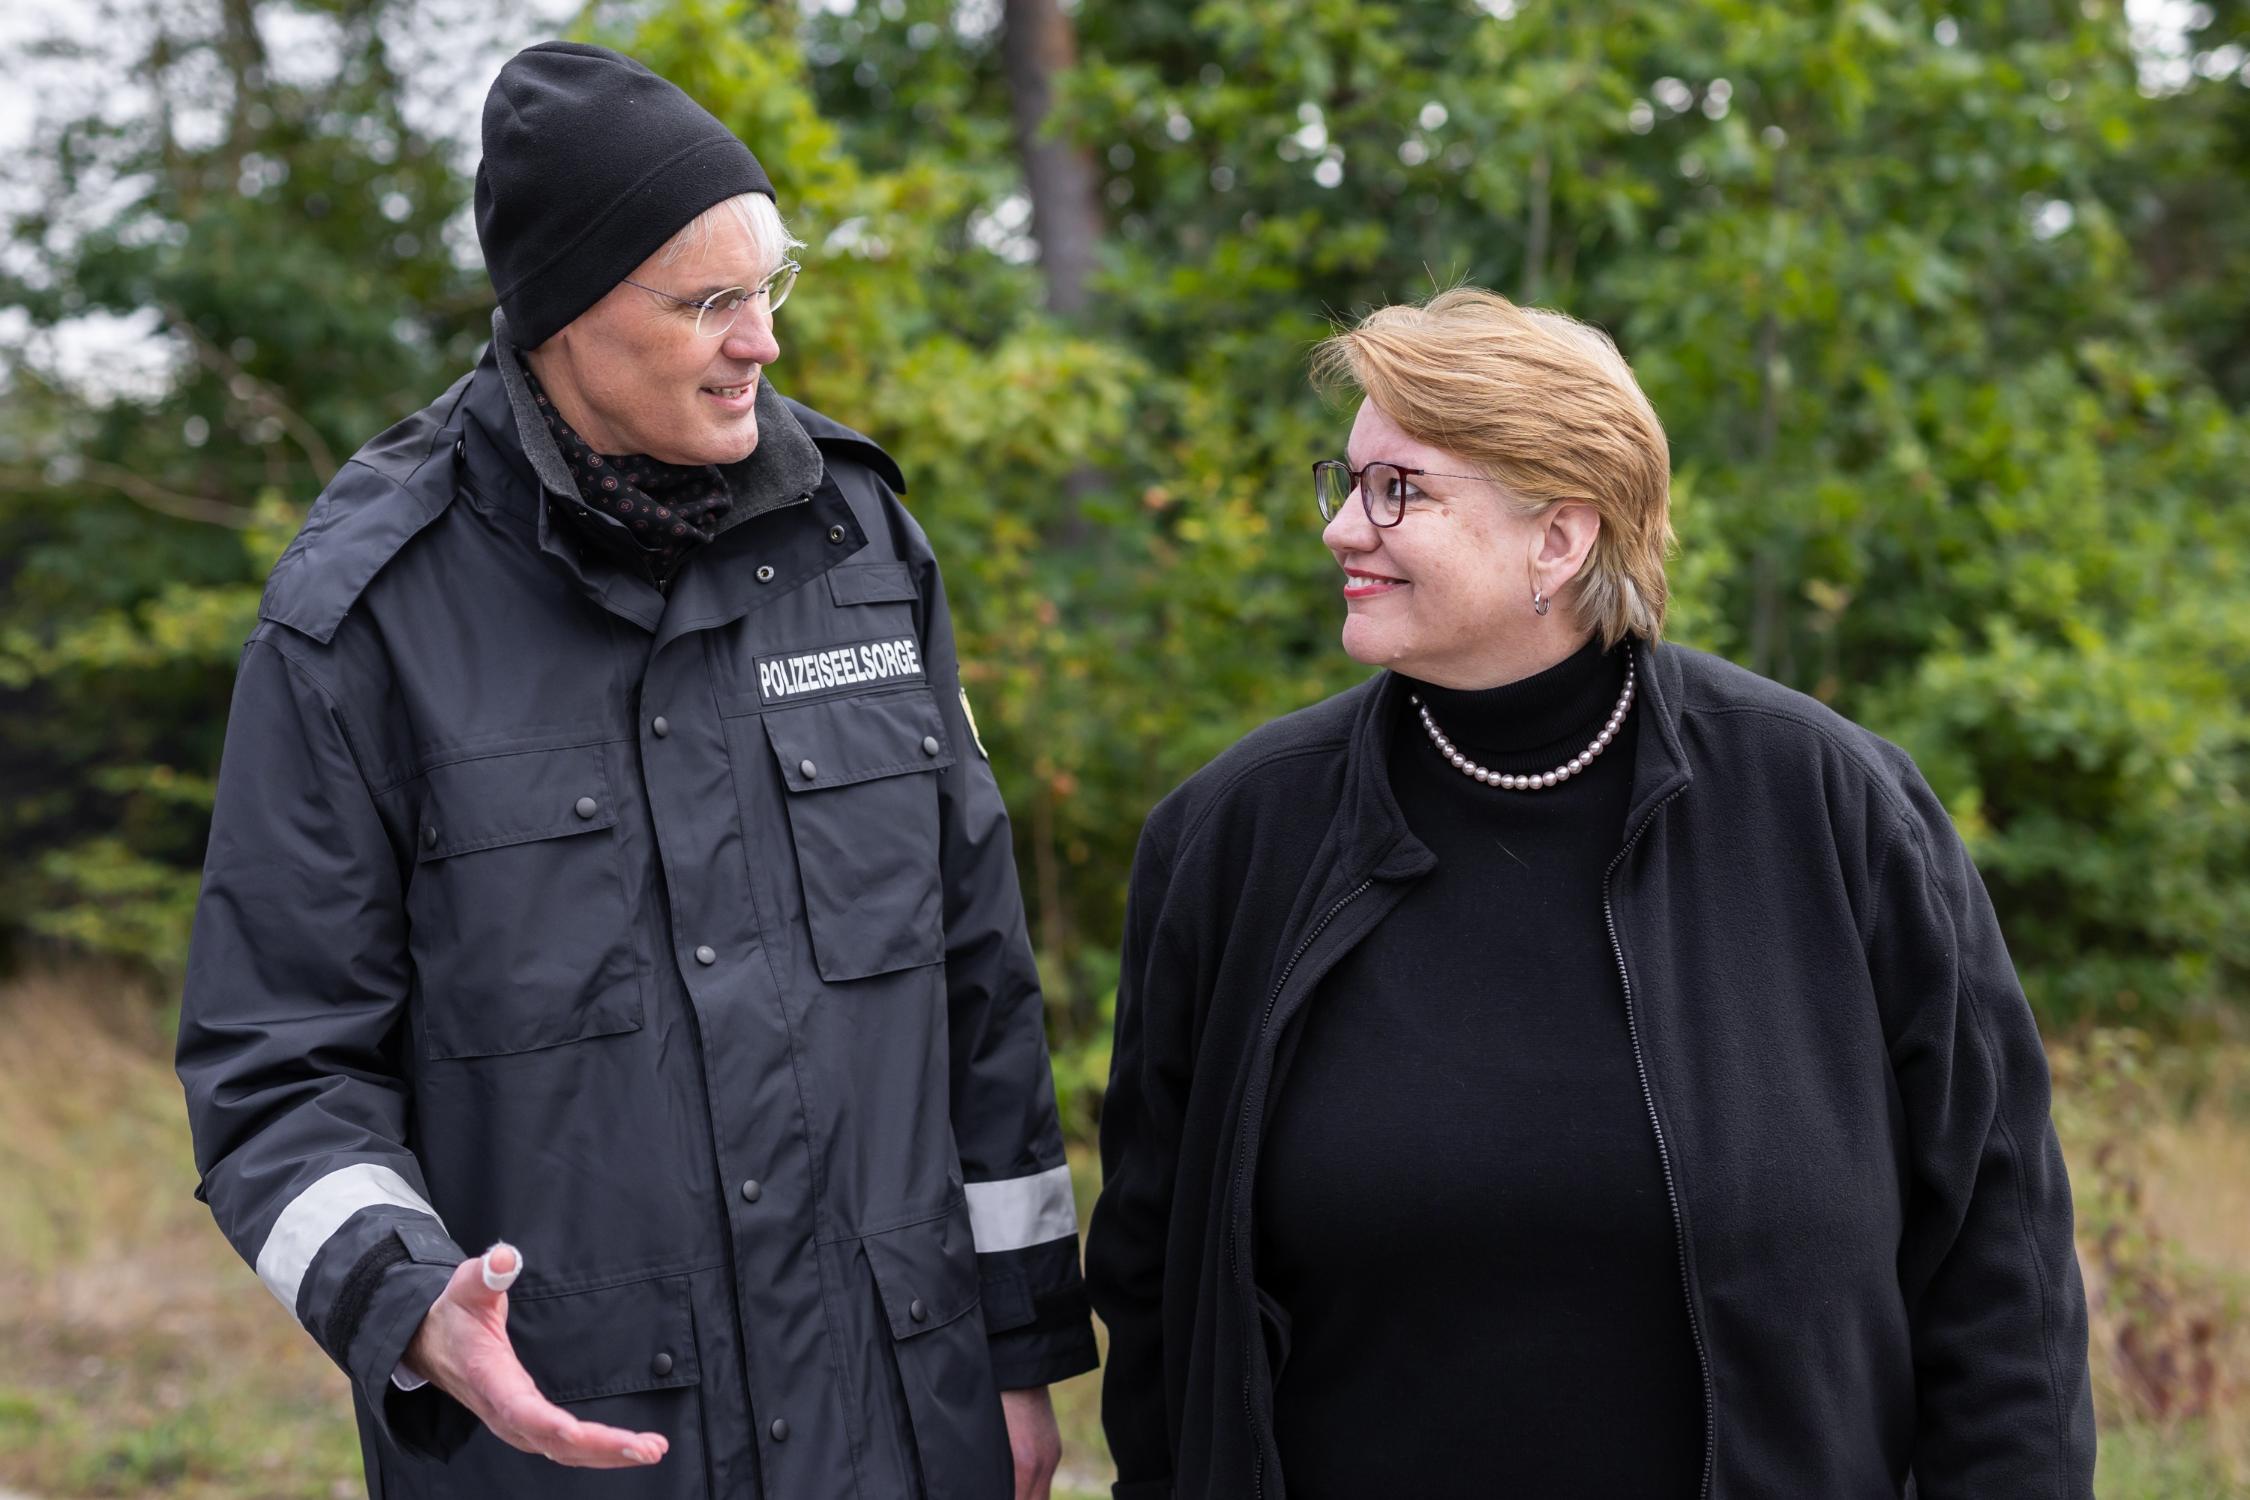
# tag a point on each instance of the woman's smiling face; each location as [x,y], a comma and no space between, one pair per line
[1445,595]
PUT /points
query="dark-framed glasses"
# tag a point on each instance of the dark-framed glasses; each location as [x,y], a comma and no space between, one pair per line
[1382,488]
[715,314]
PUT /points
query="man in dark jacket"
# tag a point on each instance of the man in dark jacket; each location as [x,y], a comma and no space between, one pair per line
[604,860]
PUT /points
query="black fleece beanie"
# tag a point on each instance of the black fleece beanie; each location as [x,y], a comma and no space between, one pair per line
[591,162]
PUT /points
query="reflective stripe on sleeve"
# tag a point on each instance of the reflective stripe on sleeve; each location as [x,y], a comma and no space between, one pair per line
[1022,1211]
[317,1213]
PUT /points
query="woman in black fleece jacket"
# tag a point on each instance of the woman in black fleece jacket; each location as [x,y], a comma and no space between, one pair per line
[1567,1065]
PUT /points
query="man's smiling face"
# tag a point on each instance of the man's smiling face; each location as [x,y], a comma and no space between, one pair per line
[632,375]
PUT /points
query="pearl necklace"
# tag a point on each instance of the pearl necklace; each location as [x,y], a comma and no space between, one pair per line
[1536,781]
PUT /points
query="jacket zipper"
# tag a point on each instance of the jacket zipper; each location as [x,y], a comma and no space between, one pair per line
[1663,1151]
[1251,1097]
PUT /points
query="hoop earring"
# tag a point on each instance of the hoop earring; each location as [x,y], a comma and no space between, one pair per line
[1538,602]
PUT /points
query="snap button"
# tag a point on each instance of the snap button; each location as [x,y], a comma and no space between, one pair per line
[780,1429]
[460,449]
[917,1311]
[835,533]
[707,955]
[429,838]
[930,746]
[765,572]
[661,1365]
[661,727]
[807,769]
[752,1191]
[587,807]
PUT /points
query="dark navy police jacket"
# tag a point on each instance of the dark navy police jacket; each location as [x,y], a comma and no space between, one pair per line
[675,939]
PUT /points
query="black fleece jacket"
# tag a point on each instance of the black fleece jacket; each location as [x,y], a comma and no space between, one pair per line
[1844,1078]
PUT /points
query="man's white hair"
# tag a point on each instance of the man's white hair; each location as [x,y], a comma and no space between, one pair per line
[755,212]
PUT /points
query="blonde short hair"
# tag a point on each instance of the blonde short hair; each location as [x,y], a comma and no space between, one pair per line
[1544,405]
[758,216]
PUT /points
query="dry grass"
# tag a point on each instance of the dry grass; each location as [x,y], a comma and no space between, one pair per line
[1086,1470]
[138,1356]
[2199,1190]
[2159,1145]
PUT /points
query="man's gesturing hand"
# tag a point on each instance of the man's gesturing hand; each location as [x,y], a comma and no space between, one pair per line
[462,1348]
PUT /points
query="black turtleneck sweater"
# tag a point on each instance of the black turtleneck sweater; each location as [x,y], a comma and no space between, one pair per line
[1461,1211]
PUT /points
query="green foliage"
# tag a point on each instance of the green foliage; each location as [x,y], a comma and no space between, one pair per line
[1941,462]
[283,244]
[1942,308]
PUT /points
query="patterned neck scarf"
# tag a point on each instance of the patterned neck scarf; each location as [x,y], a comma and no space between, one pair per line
[666,509]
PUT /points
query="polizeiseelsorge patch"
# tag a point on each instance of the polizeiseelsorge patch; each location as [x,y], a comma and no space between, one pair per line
[796,675]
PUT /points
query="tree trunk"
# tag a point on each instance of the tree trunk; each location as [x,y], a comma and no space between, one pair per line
[1065,214]
[243,52]
[1541,215]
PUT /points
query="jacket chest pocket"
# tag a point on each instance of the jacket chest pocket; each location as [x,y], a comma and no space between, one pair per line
[860,775]
[519,922]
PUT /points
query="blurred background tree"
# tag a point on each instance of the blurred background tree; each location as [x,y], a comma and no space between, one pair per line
[263,251]
[1946,308]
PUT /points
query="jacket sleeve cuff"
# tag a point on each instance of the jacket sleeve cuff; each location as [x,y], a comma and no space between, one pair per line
[1040,1339]
[410,1273]
[1022,1363]
[1036,1314]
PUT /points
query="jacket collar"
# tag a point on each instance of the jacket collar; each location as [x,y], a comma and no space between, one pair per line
[762,559]
[503,474]
[1660,767]
[1369,836]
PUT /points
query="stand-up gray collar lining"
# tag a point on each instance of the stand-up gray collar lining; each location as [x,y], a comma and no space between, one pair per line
[784,469]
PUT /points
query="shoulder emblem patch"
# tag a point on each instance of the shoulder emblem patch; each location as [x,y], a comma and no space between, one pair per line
[971,715]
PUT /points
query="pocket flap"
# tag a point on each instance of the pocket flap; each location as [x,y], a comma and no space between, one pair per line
[513,799]
[427,1243]
[872,583]
[926,1273]
[844,740]
[607,1342]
